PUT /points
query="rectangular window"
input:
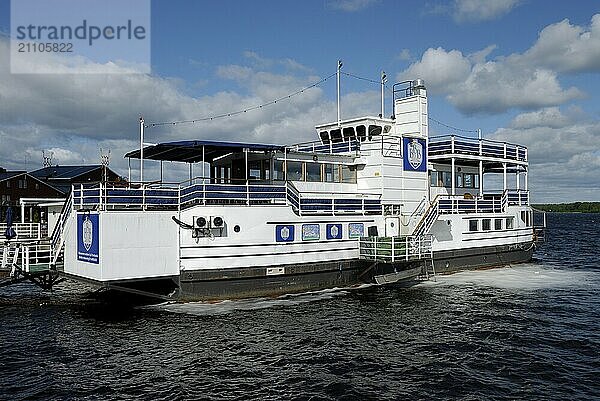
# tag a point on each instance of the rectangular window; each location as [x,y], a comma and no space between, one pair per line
[20,184]
[473,225]
[349,175]
[498,224]
[468,180]
[447,179]
[476,181]
[331,173]
[8,184]
[433,178]
[509,223]
[25,184]
[523,216]
[37,186]
[294,171]
[486,224]
[459,180]
[254,169]
[313,172]
[278,170]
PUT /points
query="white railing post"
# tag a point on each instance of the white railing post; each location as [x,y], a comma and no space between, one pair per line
[143,197]
[393,250]
[247,193]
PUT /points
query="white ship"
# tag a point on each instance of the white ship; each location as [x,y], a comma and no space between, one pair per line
[372,200]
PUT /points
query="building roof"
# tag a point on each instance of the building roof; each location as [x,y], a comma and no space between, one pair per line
[63,172]
[197,151]
[10,174]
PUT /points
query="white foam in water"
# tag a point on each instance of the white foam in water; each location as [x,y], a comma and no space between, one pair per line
[523,276]
[224,307]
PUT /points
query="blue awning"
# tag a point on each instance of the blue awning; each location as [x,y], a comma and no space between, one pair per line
[193,151]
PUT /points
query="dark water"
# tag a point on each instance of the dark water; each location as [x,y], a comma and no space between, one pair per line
[528,332]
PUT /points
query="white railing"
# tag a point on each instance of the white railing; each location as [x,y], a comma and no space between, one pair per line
[396,249]
[325,148]
[30,258]
[102,197]
[452,144]
[27,230]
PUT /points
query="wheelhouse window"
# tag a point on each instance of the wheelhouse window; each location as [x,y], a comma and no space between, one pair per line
[473,225]
[349,134]
[509,223]
[374,130]
[335,135]
[361,133]
[294,171]
[486,224]
[254,169]
[324,136]
[433,178]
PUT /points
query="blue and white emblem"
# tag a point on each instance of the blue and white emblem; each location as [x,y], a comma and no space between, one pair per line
[334,231]
[88,233]
[415,154]
[285,233]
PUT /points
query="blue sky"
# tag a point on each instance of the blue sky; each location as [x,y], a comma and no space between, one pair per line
[524,71]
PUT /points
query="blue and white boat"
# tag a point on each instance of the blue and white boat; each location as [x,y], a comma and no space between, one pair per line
[373,200]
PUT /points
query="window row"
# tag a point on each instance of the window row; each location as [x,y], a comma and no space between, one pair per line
[486,224]
[359,133]
[444,179]
[314,172]
[21,183]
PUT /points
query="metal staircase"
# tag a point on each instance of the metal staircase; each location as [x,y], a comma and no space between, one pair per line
[428,218]
[57,239]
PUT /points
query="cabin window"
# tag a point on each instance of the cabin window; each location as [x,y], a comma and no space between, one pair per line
[523,216]
[468,180]
[313,172]
[349,174]
[433,178]
[361,132]
[294,171]
[447,179]
[473,225]
[278,170]
[254,169]
[509,223]
[332,173]
[324,136]
[387,129]
[498,224]
[349,134]
[459,180]
[374,130]
[486,224]
[476,180]
[335,135]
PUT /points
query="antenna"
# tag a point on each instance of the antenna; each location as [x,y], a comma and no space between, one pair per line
[47,158]
[104,161]
[339,67]
[383,81]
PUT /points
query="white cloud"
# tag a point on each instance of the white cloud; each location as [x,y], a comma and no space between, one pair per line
[481,10]
[75,115]
[550,117]
[441,69]
[527,80]
[405,55]
[567,48]
[350,5]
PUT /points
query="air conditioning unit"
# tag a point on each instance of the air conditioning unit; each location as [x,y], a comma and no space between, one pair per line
[201,222]
[217,222]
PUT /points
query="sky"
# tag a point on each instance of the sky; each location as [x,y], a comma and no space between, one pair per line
[523,71]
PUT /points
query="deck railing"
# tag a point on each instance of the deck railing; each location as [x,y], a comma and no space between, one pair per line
[27,230]
[328,148]
[396,249]
[452,144]
[102,197]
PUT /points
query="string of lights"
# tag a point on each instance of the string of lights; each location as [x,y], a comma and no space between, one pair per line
[451,127]
[361,78]
[234,113]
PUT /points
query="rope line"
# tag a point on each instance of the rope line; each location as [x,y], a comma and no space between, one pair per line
[451,127]
[234,113]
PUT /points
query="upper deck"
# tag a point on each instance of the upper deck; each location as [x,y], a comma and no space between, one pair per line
[451,146]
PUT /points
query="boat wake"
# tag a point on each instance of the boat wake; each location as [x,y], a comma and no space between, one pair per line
[230,306]
[523,276]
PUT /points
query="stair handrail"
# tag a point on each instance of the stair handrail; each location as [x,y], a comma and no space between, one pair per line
[432,206]
[57,238]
